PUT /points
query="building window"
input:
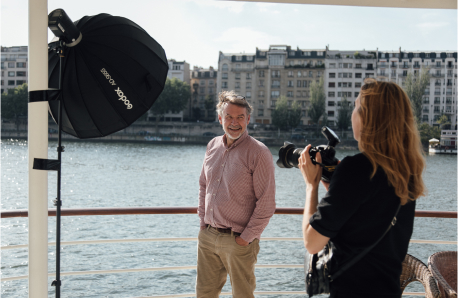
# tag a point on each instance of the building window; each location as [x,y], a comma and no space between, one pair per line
[358,85]
[249,58]
[318,74]
[11,73]
[260,113]
[210,90]
[261,83]
[298,83]
[210,83]
[298,94]
[358,65]
[248,85]
[10,83]
[299,74]
[10,64]
[248,76]
[20,65]
[248,94]
[307,53]
[332,75]
[304,104]
[310,74]
[290,83]
[261,94]
[237,85]
[3,82]
[238,58]
[237,66]
[202,90]
[275,84]
[224,75]
[289,94]
[332,84]
[358,75]
[273,103]
[330,113]
[305,94]
[304,84]
[331,103]
[276,59]
[202,83]
[275,73]
[275,94]
[261,73]
[356,94]
[237,76]
[331,94]
[20,73]
[224,85]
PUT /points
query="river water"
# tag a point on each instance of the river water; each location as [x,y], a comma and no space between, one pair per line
[149,174]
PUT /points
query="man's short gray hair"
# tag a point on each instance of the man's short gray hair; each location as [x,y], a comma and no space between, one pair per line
[226,97]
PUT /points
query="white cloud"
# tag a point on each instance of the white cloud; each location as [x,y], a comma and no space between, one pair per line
[231,6]
[428,27]
[239,39]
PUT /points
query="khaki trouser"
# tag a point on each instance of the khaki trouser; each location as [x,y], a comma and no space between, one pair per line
[218,255]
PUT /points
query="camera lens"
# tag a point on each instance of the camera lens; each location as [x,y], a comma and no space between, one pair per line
[288,156]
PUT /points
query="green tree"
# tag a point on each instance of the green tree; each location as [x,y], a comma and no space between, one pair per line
[415,86]
[344,114]
[280,113]
[428,132]
[443,121]
[317,102]
[295,114]
[209,105]
[173,99]
[14,104]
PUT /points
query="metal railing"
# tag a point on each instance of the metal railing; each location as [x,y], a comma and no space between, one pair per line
[184,210]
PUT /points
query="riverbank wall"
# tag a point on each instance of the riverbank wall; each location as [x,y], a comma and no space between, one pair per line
[190,133]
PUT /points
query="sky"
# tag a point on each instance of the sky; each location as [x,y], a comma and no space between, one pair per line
[197,30]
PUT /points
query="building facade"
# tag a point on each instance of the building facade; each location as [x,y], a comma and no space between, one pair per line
[204,94]
[14,67]
[262,77]
[344,76]
[440,96]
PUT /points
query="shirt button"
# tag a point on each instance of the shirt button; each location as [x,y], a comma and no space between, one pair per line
[214,194]
[217,180]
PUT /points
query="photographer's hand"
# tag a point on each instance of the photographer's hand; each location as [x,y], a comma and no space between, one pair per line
[310,172]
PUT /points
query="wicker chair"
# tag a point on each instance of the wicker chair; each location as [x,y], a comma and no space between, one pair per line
[415,270]
[443,267]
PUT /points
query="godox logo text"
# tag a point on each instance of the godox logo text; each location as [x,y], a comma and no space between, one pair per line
[124,98]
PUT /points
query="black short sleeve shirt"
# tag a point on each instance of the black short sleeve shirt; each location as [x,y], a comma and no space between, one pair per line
[354,213]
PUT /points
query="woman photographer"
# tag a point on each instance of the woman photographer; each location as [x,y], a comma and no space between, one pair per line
[365,192]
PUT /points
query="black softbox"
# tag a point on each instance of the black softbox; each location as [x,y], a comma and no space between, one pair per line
[110,76]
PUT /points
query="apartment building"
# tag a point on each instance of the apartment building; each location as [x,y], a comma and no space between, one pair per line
[344,76]
[440,96]
[204,95]
[14,67]
[265,75]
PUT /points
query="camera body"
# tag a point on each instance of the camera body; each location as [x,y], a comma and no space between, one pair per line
[289,154]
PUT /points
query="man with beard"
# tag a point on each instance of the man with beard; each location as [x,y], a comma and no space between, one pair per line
[236,202]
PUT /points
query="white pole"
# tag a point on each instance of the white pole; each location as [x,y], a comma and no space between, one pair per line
[38,148]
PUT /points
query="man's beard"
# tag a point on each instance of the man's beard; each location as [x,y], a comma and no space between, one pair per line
[228,135]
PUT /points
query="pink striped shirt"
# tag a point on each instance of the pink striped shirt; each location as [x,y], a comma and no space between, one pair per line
[237,186]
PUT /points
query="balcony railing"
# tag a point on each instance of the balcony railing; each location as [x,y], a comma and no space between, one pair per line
[393,65]
[437,75]
[437,93]
[437,84]
[450,66]
[383,66]
[438,66]
[448,93]
[416,66]
[405,65]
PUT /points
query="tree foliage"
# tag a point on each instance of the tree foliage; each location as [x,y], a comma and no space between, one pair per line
[317,101]
[295,114]
[283,116]
[173,98]
[443,121]
[280,114]
[415,86]
[344,114]
[14,104]
[428,132]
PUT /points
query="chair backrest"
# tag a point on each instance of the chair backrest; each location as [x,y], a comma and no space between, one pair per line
[443,267]
[415,270]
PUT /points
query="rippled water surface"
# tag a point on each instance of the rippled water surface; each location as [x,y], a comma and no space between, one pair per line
[127,175]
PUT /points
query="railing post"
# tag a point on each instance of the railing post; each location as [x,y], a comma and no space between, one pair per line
[38,148]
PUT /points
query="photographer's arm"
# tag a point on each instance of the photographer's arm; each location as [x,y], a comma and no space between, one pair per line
[313,240]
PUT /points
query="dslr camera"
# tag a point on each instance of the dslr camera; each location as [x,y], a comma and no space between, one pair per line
[289,154]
